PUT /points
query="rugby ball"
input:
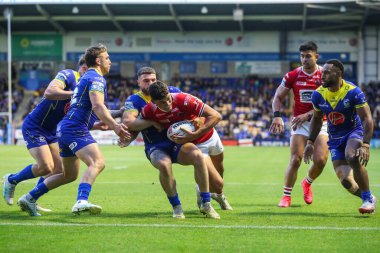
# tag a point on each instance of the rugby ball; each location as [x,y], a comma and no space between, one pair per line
[175,129]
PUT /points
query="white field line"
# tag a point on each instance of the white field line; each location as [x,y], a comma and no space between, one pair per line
[53,224]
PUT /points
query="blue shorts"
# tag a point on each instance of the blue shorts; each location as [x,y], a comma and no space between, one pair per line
[72,136]
[338,146]
[36,136]
[168,147]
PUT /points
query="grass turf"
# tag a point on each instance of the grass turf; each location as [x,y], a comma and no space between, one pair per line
[136,214]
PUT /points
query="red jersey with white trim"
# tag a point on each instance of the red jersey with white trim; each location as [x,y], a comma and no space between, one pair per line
[184,107]
[303,85]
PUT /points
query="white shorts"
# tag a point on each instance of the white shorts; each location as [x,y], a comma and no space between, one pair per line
[212,146]
[305,129]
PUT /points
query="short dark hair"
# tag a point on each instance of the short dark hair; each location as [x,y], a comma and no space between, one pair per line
[309,45]
[145,71]
[336,63]
[92,53]
[158,90]
[81,60]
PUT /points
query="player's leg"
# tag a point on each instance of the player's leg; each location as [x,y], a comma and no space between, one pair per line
[217,183]
[320,157]
[71,170]
[345,176]
[215,150]
[44,165]
[91,155]
[54,150]
[163,163]
[189,154]
[360,175]
[297,145]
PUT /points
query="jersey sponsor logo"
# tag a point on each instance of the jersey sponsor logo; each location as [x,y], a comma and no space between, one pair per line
[61,77]
[301,83]
[41,139]
[129,106]
[323,105]
[333,153]
[346,103]
[305,96]
[336,118]
[73,145]
[99,78]
[98,86]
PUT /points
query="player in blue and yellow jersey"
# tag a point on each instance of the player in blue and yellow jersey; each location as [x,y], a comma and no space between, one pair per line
[39,131]
[350,129]
[74,139]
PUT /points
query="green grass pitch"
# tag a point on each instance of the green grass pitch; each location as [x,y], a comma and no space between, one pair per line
[136,214]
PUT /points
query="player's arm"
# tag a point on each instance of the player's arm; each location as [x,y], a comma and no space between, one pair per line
[297,121]
[277,125]
[100,125]
[315,127]
[212,117]
[367,122]
[134,123]
[55,91]
[99,108]
[117,113]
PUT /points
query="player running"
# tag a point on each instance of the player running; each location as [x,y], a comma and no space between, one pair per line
[39,131]
[75,141]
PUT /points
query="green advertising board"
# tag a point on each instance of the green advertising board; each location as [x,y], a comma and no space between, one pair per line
[37,47]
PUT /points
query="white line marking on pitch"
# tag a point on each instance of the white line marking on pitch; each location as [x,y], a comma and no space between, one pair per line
[192,226]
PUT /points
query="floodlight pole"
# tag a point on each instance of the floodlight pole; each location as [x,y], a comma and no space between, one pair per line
[8,14]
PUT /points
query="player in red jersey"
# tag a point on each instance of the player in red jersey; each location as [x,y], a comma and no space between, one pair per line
[303,81]
[167,108]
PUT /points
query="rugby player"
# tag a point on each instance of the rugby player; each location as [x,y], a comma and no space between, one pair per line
[75,141]
[39,131]
[350,129]
[303,81]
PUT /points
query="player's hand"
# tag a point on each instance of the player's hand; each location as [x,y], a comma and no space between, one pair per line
[363,154]
[277,126]
[122,131]
[299,120]
[198,122]
[122,143]
[188,137]
[308,153]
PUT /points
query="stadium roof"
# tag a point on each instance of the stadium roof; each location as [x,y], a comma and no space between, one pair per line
[189,15]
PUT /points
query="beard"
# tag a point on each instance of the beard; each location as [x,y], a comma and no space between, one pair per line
[327,84]
[145,91]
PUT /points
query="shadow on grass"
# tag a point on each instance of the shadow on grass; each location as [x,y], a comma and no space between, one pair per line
[84,218]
